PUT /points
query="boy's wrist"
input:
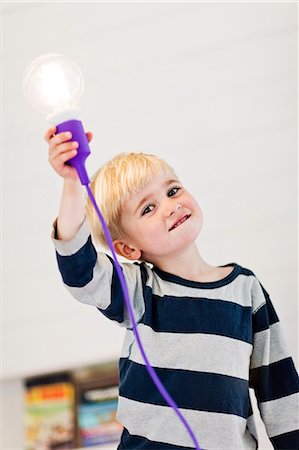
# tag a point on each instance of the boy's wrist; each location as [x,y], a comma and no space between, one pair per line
[72,181]
[73,185]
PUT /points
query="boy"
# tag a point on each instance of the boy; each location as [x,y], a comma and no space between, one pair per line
[210,332]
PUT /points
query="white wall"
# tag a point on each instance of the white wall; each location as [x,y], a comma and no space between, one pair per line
[210,87]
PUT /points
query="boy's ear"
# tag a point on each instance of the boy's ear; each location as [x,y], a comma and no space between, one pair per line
[123,249]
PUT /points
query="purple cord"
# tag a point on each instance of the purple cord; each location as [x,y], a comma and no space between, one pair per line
[124,288]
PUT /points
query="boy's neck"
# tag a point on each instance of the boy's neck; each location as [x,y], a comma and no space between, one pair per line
[188,264]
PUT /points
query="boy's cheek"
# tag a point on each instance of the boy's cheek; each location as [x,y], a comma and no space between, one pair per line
[151,237]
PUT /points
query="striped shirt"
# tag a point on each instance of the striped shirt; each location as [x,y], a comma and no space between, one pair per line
[209,342]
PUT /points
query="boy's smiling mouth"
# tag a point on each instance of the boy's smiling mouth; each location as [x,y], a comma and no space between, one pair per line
[180,221]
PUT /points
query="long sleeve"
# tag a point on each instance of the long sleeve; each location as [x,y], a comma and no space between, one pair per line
[91,278]
[273,375]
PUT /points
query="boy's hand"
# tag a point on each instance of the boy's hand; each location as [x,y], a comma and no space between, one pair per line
[61,149]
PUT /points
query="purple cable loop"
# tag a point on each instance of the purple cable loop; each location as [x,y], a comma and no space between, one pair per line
[78,134]
[124,288]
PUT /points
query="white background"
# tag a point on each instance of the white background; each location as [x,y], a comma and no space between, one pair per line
[211,88]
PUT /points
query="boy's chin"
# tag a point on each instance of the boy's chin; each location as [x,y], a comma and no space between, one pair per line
[191,235]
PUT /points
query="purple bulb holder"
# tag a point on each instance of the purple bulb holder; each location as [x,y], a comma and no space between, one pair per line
[78,135]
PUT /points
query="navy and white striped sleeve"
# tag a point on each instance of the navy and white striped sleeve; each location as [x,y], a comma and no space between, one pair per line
[91,278]
[273,375]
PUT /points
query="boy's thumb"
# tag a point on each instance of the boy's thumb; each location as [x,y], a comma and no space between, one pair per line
[89,136]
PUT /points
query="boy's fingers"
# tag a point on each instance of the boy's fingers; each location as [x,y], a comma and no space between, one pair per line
[60,138]
[66,156]
[58,163]
[62,148]
[89,136]
[49,134]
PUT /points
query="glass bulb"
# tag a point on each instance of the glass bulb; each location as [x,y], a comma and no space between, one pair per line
[53,84]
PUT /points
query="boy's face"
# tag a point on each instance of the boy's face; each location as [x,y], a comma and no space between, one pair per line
[150,220]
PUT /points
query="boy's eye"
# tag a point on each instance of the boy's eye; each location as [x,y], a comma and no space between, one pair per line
[173,191]
[170,193]
[147,209]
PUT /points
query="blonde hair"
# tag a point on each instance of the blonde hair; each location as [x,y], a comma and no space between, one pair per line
[123,175]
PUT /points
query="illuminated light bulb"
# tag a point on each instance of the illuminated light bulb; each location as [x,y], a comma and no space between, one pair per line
[53,85]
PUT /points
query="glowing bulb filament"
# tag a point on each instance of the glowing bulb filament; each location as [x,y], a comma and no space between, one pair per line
[55,86]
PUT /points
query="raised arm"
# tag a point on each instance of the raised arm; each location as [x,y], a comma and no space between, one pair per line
[72,204]
[88,275]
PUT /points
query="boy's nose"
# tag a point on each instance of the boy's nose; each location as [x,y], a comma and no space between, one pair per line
[173,209]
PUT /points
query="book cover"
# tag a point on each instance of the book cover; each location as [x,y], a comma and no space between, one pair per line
[97,416]
[49,413]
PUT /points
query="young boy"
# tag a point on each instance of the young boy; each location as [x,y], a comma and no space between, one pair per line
[210,332]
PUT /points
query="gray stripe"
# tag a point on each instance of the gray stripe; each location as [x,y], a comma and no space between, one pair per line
[191,352]
[66,248]
[251,426]
[238,291]
[160,423]
[287,409]
[98,291]
[258,298]
[269,346]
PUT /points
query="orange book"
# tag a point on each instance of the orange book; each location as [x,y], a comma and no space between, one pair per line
[49,413]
